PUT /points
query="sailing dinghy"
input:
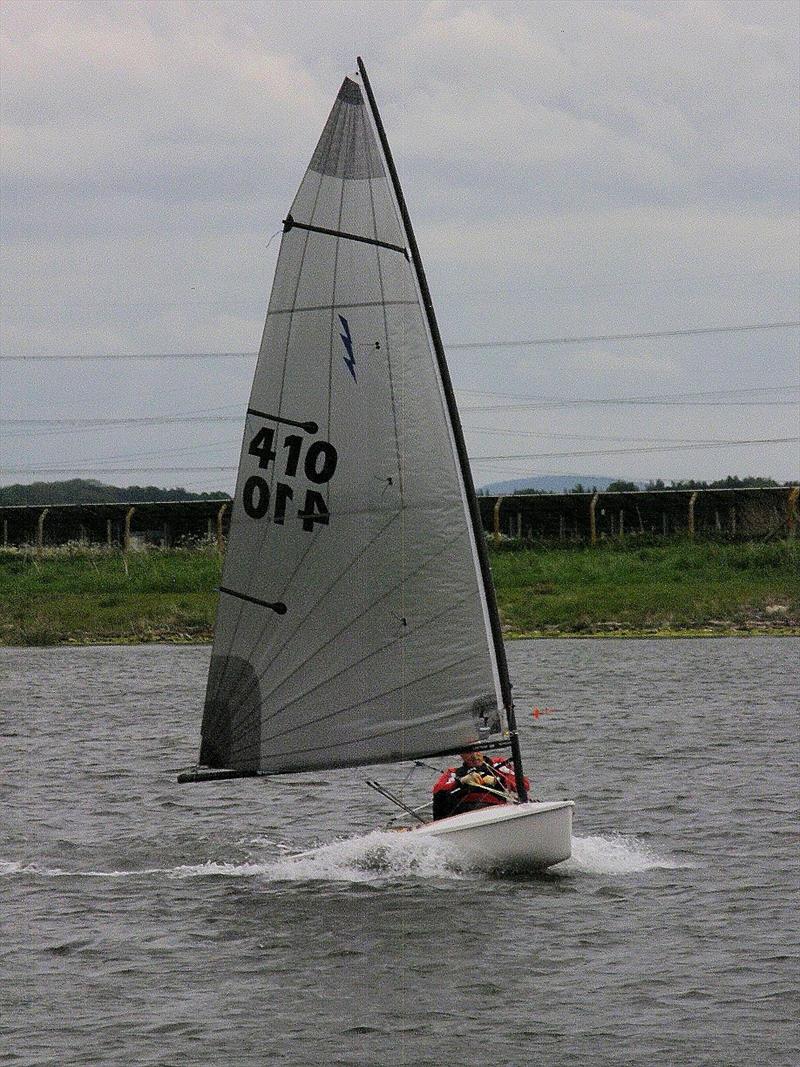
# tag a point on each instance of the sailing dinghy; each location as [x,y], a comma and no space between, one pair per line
[357,621]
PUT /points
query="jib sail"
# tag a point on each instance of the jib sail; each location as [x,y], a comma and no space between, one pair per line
[354,624]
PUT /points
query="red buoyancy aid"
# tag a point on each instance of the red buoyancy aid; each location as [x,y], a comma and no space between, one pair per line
[447,782]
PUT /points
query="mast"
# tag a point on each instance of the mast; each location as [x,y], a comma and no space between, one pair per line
[458,436]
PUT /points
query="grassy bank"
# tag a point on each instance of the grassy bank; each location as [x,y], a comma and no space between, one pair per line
[95,596]
[83,597]
[673,588]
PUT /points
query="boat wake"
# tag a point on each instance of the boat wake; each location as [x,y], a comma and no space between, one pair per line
[199,870]
[377,857]
[373,857]
[614,854]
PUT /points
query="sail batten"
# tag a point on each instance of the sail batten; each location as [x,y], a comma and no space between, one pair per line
[356,629]
[290,224]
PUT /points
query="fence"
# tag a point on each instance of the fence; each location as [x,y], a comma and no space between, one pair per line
[725,514]
[722,514]
[163,523]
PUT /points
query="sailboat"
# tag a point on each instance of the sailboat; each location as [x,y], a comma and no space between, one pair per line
[357,621]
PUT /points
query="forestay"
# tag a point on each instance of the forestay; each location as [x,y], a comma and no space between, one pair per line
[353,625]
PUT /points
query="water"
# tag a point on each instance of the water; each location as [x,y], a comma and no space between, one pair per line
[149,923]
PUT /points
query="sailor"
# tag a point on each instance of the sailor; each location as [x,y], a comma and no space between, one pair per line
[476,770]
[477,783]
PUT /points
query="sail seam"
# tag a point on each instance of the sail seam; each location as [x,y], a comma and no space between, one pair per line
[254,644]
[265,696]
[377,696]
[344,150]
[357,663]
[247,695]
[341,118]
[292,224]
[399,437]
[357,304]
[262,351]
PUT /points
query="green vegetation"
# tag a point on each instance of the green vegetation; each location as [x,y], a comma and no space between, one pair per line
[621,486]
[680,587]
[732,481]
[88,491]
[76,595]
[95,596]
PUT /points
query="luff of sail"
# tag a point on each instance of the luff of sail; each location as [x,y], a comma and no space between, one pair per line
[353,625]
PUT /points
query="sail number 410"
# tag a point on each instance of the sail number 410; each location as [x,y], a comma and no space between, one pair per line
[319,464]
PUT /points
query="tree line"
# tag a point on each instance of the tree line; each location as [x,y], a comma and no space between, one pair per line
[88,491]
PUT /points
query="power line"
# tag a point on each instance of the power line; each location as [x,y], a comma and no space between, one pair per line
[141,420]
[473,459]
[632,401]
[91,462]
[209,415]
[646,335]
[127,355]
[596,437]
[626,451]
[672,396]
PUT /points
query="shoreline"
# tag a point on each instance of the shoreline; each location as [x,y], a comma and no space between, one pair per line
[664,633]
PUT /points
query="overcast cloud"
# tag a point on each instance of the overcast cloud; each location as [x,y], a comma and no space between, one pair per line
[571,169]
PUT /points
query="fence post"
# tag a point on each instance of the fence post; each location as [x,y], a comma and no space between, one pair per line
[621,524]
[220,539]
[692,499]
[126,540]
[496,520]
[592,519]
[40,531]
[108,532]
[791,509]
[5,533]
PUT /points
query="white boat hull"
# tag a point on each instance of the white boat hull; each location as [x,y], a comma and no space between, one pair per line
[532,836]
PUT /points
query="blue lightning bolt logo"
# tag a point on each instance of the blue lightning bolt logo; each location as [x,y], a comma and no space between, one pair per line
[347,341]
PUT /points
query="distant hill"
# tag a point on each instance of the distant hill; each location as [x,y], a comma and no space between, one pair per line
[547,483]
[87,491]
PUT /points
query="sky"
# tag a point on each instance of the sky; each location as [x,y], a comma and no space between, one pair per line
[571,169]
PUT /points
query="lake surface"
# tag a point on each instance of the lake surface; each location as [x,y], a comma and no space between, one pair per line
[149,923]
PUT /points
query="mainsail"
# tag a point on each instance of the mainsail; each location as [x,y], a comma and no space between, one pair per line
[356,621]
